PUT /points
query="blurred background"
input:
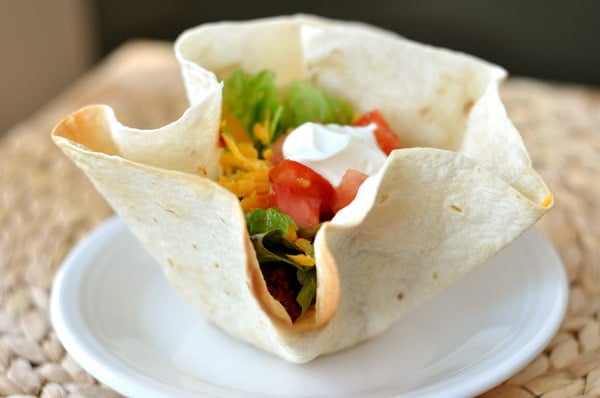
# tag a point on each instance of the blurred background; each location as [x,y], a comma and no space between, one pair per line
[47,44]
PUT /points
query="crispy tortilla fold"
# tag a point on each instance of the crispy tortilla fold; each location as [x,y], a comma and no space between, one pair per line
[463,190]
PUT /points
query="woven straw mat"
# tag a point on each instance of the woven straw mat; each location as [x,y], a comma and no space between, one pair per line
[47,205]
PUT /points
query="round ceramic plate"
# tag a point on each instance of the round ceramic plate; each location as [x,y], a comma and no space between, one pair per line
[120,320]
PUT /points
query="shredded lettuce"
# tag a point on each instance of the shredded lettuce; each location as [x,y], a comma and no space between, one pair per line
[273,247]
[255,100]
[261,221]
[304,102]
[308,279]
[269,232]
[252,99]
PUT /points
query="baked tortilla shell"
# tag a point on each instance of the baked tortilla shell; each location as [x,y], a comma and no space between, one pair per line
[462,191]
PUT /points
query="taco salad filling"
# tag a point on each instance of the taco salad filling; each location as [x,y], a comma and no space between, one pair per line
[294,156]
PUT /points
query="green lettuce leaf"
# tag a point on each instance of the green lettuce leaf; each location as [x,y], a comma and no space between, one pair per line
[273,247]
[268,229]
[261,220]
[308,279]
[304,102]
[255,98]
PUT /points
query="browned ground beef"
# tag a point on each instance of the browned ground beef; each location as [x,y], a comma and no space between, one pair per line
[283,285]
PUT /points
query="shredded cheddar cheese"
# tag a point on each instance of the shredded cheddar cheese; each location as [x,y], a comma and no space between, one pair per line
[303,244]
[302,259]
[262,133]
[291,234]
[233,127]
[306,259]
[245,174]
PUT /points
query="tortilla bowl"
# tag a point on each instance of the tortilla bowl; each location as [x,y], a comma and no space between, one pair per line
[462,189]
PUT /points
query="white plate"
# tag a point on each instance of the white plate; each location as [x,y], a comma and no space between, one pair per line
[118,318]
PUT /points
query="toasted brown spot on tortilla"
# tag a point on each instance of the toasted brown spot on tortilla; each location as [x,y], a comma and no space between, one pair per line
[435,275]
[170,261]
[425,111]
[194,246]
[400,296]
[217,265]
[165,208]
[457,208]
[445,81]
[467,106]
[383,198]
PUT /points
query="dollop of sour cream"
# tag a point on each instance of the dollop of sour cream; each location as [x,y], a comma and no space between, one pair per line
[332,149]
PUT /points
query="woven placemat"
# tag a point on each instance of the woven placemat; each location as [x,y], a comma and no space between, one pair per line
[47,205]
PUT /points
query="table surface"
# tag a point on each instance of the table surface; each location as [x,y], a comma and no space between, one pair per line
[47,205]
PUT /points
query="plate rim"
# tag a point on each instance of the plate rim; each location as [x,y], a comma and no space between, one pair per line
[90,360]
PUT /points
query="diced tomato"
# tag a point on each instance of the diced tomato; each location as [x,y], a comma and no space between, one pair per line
[300,192]
[385,137]
[302,180]
[346,192]
[304,210]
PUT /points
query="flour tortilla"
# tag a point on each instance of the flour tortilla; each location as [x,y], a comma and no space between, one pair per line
[437,210]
